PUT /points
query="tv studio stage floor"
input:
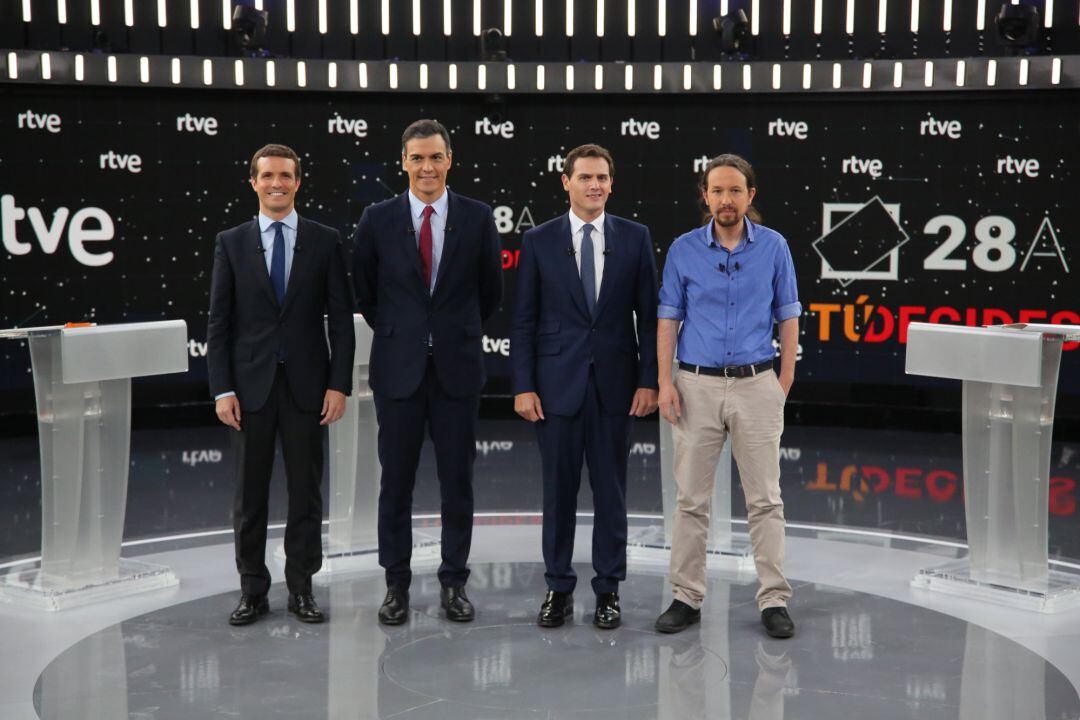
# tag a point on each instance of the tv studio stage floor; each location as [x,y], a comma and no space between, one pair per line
[868,645]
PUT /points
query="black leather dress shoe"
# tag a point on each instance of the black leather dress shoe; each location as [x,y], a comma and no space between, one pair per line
[395,607]
[303,606]
[677,617]
[608,615]
[557,606]
[777,622]
[249,609]
[456,604]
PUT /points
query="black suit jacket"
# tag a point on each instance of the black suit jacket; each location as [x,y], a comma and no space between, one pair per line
[246,321]
[554,338]
[391,294]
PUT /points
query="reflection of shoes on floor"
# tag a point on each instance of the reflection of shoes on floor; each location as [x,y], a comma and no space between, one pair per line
[557,606]
[395,607]
[456,604]
[249,609]
[777,622]
[677,617]
[608,615]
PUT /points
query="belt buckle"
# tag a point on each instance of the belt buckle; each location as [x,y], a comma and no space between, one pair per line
[726,368]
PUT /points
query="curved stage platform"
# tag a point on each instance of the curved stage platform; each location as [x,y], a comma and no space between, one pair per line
[868,645]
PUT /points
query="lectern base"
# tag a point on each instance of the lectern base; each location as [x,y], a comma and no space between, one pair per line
[1060,593]
[648,546]
[29,588]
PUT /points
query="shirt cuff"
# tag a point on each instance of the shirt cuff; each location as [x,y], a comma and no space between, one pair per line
[786,312]
[670,312]
[224,395]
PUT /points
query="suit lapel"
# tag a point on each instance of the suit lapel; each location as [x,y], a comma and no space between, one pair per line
[612,264]
[300,262]
[567,261]
[405,236]
[451,239]
[253,239]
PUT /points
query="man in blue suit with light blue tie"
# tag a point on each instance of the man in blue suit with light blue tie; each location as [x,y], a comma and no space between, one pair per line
[583,360]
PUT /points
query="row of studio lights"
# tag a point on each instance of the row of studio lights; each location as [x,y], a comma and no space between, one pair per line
[661,10]
[658,78]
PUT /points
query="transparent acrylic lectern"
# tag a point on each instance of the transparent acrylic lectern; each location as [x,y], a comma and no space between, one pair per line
[82,382]
[731,549]
[355,470]
[1009,376]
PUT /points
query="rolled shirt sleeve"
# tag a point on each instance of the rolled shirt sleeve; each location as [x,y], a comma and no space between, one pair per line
[786,303]
[672,305]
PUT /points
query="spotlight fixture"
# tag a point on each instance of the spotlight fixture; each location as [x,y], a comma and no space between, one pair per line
[734,31]
[249,30]
[492,45]
[1017,25]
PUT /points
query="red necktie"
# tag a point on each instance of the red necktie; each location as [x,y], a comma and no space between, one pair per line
[425,245]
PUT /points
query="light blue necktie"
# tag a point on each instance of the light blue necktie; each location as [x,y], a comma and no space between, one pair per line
[277,263]
[588,269]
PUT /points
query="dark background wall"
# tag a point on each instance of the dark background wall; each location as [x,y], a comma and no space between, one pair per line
[942,195]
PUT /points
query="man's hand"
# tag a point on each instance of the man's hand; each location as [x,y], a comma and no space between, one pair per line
[787,379]
[333,407]
[644,402]
[670,405]
[228,411]
[527,405]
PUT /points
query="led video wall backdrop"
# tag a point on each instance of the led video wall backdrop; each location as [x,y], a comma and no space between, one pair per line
[899,209]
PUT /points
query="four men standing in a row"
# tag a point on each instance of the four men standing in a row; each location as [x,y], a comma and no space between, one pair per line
[427,275]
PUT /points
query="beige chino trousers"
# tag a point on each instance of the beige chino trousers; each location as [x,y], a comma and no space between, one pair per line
[751,411]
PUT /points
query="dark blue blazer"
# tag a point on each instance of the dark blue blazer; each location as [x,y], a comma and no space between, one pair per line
[246,322]
[554,337]
[403,314]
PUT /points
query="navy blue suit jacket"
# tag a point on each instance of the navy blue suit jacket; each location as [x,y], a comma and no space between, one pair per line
[246,322]
[403,314]
[554,337]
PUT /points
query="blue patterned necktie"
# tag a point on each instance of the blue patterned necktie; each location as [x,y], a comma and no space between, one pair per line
[588,269]
[277,263]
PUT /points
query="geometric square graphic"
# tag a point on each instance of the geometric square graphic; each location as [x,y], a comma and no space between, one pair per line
[864,244]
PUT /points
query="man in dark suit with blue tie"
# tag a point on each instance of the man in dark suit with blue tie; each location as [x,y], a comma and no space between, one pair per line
[428,273]
[583,358]
[272,374]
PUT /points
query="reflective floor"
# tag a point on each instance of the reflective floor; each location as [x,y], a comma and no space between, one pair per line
[855,656]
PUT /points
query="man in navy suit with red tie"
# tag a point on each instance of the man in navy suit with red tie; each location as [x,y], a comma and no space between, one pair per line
[583,359]
[427,269]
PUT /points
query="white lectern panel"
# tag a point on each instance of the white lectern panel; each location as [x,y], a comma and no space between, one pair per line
[110,352]
[990,355]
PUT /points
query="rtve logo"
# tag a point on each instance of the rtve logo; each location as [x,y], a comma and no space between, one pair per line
[1009,165]
[504,129]
[862,166]
[48,234]
[497,346]
[556,163]
[338,125]
[640,128]
[31,120]
[115,161]
[189,123]
[935,128]
[782,128]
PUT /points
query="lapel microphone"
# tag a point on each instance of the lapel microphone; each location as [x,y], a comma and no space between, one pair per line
[607,251]
[724,268]
[570,251]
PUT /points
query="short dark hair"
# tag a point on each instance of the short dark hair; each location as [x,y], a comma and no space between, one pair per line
[274,150]
[425,128]
[732,161]
[584,151]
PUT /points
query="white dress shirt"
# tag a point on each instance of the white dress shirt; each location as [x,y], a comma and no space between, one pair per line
[576,235]
[438,228]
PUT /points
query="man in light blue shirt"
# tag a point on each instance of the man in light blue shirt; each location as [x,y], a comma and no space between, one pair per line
[726,284]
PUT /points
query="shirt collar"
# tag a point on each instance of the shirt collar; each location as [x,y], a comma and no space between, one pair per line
[288,221]
[416,205]
[709,240]
[577,223]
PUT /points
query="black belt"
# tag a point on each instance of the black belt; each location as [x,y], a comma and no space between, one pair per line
[731,371]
